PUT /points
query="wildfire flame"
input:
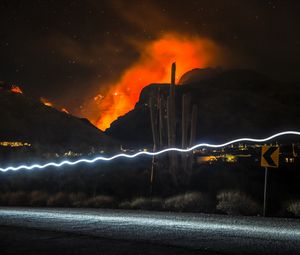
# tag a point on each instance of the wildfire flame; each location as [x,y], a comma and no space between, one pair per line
[153,66]
[47,102]
[64,110]
[16,89]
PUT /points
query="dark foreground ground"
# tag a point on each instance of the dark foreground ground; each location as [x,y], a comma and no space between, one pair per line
[88,231]
[17,240]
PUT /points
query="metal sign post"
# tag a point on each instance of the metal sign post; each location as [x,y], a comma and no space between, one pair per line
[269,158]
[265,191]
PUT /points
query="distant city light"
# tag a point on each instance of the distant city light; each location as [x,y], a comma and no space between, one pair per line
[129,156]
[14,144]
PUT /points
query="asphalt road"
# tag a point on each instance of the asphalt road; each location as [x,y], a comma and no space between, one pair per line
[17,240]
[212,233]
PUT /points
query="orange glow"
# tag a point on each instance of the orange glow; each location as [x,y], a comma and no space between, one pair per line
[64,110]
[154,66]
[98,97]
[46,102]
[16,89]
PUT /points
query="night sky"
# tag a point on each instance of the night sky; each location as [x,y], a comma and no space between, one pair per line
[66,50]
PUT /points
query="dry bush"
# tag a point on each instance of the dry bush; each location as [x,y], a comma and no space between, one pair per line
[189,202]
[4,198]
[101,201]
[14,199]
[78,199]
[38,198]
[143,203]
[237,203]
[294,208]
[59,199]
[19,198]
[156,204]
[125,205]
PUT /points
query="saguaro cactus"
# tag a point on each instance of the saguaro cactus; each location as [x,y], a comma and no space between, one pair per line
[185,121]
[162,122]
[153,116]
[172,109]
[155,135]
[158,106]
[193,125]
[193,133]
[171,121]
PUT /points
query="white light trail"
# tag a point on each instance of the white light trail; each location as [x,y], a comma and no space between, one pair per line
[122,155]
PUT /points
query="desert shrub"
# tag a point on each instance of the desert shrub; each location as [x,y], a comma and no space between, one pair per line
[143,203]
[125,205]
[14,199]
[38,198]
[156,204]
[4,198]
[77,199]
[18,199]
[189,202]
[100,201]
[60,199]
[236,203]
[294,208]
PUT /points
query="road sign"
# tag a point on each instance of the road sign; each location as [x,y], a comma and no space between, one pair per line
[270,156]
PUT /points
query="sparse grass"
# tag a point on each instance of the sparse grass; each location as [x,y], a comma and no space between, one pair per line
[189,202]
[236,203]
[294,208]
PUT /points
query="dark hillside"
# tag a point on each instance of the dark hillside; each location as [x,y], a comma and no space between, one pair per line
[232,104]
[27,120]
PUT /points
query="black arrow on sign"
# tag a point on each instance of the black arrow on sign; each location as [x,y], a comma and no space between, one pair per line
[267,156]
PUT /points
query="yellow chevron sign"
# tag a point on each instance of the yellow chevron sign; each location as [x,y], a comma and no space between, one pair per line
[270,156]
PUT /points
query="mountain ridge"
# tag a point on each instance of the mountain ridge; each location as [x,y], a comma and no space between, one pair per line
[27,119]
[233,103]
